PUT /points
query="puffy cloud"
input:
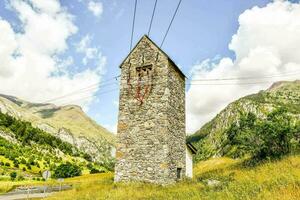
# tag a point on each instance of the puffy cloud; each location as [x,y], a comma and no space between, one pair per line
[84,47]
[8,46]
[96,8]
[91,53]
[30,66]
[267,43]
[50,6]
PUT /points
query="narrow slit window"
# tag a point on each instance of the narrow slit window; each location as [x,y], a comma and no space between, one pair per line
[179,173]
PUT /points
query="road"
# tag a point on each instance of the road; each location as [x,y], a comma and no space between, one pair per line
[33,192]
[23,196]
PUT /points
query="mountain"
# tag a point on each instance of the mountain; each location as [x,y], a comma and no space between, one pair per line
[217,137]
[69,123]
[27,151]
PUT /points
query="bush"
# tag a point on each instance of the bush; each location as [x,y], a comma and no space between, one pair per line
[13,175]
[67,170]
[23,161]
[95,171]
[21,178]
[261,138]
[16,163]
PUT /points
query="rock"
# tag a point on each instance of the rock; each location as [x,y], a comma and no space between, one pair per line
[213,183]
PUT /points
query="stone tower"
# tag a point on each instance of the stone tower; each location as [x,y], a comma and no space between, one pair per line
[151,125]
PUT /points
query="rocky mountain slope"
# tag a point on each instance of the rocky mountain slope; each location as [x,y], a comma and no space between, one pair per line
[211,137]
[28,151]
[68,123]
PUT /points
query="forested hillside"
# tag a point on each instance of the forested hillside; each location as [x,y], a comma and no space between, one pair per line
[260,126]
[27,151]
[69,123]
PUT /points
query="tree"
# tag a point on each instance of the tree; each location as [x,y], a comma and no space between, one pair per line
[261,138]
[275,133]
[67,170]
[13,175]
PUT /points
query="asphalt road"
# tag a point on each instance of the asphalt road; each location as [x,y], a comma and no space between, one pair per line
[33,192]
[23,196]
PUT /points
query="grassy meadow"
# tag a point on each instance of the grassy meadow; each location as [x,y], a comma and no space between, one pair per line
[218,178]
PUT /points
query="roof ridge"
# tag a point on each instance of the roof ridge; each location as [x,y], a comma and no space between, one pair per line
[148,38]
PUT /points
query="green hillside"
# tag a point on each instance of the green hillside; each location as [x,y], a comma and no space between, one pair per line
[27,151]
[68,123]
[262,123]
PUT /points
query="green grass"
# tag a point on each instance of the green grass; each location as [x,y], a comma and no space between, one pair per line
[272,180]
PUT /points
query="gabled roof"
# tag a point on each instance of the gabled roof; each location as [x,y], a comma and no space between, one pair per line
[145,36]
[191,147]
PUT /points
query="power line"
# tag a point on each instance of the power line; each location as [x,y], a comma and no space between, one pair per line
[87,97]
[85,89]
[81,92]
[249,77]
[247,83]
[171,23]
[152,17]
[113,80]
[133,22]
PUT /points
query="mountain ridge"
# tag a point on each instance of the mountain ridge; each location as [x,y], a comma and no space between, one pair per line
[68,122]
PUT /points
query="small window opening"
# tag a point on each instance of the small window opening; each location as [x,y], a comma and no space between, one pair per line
[179,173]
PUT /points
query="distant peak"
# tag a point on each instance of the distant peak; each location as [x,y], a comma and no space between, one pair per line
[72,106]
[280,83]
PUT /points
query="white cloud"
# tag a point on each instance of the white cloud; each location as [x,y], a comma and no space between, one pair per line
[50,6]
[90,53]
[84,47]
[266,43]
[29,59]
[96,8]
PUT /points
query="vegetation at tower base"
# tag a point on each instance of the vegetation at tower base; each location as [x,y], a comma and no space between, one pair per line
[217,179]
[26,151]
[259,126]
[69,123]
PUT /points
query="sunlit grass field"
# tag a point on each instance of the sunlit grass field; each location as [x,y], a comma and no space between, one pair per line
[231,180]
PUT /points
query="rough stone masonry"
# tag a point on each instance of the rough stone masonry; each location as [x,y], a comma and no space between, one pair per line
[151,124]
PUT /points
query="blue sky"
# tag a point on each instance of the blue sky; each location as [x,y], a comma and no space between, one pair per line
[202,30]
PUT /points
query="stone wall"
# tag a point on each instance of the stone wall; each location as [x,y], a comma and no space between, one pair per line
[151,126]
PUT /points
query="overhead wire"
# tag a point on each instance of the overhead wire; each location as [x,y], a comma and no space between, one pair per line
[133,23]
[210,82]
[170,23]
[153,13]
[89,96]
[250,77]
[85,89]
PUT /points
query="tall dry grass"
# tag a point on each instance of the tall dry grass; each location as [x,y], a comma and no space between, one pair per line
[271,180]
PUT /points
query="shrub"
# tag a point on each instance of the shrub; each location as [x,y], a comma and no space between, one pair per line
[260,138]
[21,178]
[95,171]
[13,175]
[23,161]
[16,163]
[67,170]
